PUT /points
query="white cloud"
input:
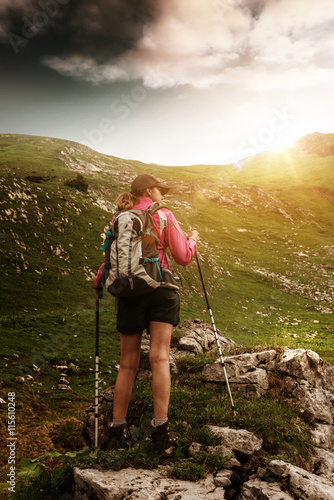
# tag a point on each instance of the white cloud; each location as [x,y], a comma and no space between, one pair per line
[208,43]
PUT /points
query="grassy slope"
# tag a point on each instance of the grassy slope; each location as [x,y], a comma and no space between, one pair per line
[267,251]
[267,243]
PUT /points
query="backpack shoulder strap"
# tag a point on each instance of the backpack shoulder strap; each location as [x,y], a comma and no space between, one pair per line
[154,208]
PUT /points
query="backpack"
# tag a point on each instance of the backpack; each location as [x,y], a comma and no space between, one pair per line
[132,257]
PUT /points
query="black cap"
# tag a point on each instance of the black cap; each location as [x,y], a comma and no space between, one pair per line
[145,181]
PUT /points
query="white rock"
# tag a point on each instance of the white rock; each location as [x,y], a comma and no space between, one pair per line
[141,485]
[302,484]
[307,365]
[323,436]
[190,344]
[324,464]
[256,489]
[237,440]
[222,478]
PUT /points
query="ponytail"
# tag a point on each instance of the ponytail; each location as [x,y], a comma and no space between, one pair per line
[126,201]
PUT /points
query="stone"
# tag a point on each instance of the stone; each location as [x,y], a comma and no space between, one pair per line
[179,355]
[241,441]
[172,364]
[141,484]
[144,357]
[61,368]
[64,387]
[222,478]
[302,484]
[323,436]
[64,381]
[194,448]
[255,489]
[204,334]
[254,384]
[211,450]
[190,344]
[317,403]
[246,373]
[307,365]
[144,374]
[324,464]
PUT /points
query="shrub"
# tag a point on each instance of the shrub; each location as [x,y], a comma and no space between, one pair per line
[79,183]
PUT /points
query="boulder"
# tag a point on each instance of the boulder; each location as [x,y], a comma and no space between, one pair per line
[324,464]
[241,441]
[256,488]
[323,436]
[307,365]
[317,404]
[190,344]
[204,335]
[222,478]
[141,485]
[211,450]
[247,373]
[301,484]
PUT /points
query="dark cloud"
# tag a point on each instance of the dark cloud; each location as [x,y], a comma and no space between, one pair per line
[101,29]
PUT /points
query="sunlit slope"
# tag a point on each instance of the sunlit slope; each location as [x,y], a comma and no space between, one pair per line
[282,169]
[266,231]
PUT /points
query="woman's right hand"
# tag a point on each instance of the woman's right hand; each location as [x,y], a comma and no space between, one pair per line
[94,283]
[193,234]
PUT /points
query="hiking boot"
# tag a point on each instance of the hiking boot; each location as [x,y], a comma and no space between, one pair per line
[163,439]
[118,437]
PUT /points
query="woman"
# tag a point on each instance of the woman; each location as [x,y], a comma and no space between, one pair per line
[157,311]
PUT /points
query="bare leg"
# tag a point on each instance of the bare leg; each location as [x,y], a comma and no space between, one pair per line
[130,355]
[160,334]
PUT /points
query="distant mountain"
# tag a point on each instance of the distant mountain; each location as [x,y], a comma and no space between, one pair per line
[317,143]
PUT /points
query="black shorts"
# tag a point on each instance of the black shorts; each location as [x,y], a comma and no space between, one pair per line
[135,313]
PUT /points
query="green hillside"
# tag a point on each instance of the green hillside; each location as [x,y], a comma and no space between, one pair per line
[267,248]
[266,228]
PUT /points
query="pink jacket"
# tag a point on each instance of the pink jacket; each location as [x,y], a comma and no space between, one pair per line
[170,234]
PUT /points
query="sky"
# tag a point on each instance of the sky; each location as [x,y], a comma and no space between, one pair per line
[173,82]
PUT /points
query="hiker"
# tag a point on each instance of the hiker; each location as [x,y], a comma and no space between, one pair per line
[156,311]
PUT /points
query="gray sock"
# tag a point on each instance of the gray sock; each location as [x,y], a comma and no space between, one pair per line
[160,421]
[118,422]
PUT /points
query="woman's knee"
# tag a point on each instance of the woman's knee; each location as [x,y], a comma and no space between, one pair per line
[158,358]
[129,365]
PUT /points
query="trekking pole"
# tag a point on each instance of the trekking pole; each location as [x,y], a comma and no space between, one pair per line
[215,330]
[98,297]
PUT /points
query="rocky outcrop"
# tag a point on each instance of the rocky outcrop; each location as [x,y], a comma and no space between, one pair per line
[143,485]
[235,440]
[304,379]
[279,479]
[310,381]
[302,374]
[247,373]
[198,337]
